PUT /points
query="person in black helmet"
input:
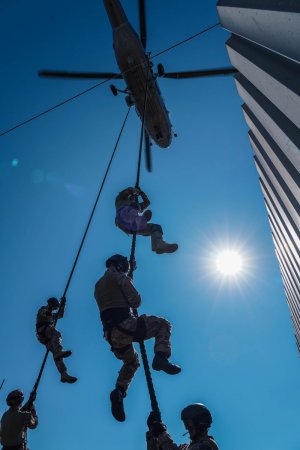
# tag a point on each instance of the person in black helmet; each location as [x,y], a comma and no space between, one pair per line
[116,296]
[48,335]
[16,420]
[197,420]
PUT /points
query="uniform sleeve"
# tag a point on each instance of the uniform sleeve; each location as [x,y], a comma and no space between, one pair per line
[34,421]
[165,442]
[151,442]
[29,415]
[131,294]
[61,311]
[122,198]
[145,203]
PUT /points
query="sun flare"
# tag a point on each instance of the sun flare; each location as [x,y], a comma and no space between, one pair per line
[229,262]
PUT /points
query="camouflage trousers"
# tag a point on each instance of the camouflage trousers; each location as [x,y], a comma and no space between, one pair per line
[51,338]
[122,343]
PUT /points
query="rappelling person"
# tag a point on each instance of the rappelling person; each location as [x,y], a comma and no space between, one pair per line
[116,297]
[197,420]
[16,420]
[132,216]
[48,335]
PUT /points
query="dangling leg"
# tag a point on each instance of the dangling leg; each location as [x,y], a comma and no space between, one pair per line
[130,360]
[123,349]
[158,244]
[54,345]
[160,329]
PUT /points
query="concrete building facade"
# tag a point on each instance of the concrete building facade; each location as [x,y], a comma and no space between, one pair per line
[265,49]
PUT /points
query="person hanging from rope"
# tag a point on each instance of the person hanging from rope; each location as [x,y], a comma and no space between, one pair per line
[132,216]
[116,296]
[16,420]
[48,335]
[197,420]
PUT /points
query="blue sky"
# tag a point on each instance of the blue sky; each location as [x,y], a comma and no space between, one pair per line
[233,339]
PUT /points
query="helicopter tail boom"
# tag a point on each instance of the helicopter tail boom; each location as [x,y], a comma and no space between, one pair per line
[115,12]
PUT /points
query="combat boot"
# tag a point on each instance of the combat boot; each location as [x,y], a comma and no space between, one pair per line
[161,362]
[117,404]
[164,247]
[66,378]
[160,246]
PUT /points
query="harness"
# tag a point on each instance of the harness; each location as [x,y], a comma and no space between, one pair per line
[113,318]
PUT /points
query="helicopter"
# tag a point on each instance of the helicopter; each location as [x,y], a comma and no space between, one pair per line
[136,68]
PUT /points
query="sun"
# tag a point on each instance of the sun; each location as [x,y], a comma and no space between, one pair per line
[229,262]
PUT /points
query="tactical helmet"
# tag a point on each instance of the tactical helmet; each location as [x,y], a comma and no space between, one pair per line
[53,302]
[198,413]
[15,397]
[120,262]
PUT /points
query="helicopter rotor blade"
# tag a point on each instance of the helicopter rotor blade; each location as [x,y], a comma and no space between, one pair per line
[82,75]
[201,73]
[143,26]
[148,154]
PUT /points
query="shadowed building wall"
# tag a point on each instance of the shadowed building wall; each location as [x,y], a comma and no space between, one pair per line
[265,48]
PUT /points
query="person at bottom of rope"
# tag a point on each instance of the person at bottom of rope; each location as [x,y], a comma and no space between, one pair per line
[48,335]
[132,217]
[16,420]
[197,420]
[115,296]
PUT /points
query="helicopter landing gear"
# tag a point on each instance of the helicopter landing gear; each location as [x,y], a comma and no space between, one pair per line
[160,70]
[128,98]
[114,90]
[129,101]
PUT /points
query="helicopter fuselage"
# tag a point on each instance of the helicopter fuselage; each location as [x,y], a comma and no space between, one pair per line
[136,69]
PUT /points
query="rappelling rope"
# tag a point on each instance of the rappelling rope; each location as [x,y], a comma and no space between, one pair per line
[35,387]
[152,394]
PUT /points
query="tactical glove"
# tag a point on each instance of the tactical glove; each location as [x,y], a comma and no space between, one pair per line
[157,428]
[153,417]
